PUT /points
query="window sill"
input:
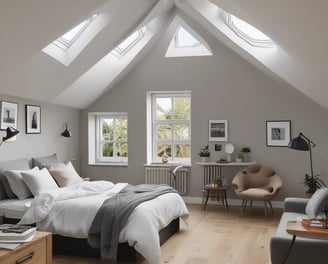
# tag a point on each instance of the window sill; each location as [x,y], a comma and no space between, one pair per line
[170,164]
[110,164]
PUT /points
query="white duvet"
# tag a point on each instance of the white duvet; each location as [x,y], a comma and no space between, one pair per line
[69,211]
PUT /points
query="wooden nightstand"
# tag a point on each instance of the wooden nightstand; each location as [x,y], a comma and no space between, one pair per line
[38,251]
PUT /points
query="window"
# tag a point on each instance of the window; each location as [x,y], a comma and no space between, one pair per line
[109,132]
[171,126]
[128,43]
[247,32]
[187,43]
[184,39]
[66,40]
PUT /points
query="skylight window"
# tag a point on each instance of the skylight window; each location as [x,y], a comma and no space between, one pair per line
[66,40]
[128,43]
[183,39]
[187,43]
[247,32]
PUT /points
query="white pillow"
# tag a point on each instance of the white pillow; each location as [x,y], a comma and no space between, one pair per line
[39,181]
[317,202]
[17,184]
[65,174]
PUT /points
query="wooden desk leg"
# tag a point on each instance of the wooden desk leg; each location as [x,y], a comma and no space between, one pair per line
[207,195]
[225,199]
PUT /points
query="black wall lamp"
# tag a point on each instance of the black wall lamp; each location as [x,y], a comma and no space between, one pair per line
[10,134]
[66,132]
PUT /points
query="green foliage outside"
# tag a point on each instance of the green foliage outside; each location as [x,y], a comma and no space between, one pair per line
[181,106]
[121,129]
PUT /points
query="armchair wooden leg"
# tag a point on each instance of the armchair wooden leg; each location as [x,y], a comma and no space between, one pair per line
[265,210]
[271,207]
[242,207]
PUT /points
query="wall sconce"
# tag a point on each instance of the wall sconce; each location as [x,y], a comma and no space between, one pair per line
[10,134]
[66,132]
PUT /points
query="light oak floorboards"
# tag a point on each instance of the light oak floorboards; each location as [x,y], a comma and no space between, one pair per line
[214,237]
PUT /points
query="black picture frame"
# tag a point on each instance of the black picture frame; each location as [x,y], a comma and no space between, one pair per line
[278,133]
[218,130]
[33,119]
[9,115]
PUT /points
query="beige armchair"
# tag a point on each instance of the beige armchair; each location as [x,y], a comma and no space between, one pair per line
[256,183]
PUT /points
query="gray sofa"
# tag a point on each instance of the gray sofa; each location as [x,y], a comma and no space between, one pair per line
[304,250]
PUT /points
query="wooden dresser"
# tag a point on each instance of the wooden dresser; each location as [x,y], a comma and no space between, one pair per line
[38,251]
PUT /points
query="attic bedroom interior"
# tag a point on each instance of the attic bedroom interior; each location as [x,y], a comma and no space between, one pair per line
[163,131]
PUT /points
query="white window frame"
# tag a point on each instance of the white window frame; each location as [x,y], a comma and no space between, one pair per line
[260,43]
[64,43]
[172,141]
[128,43]
[95,139]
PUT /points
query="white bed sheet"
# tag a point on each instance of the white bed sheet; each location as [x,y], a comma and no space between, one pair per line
[68,212]
[14,208]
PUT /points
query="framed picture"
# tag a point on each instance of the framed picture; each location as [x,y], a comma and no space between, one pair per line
[33,119]
[278,133]
[218,130]
[8,115]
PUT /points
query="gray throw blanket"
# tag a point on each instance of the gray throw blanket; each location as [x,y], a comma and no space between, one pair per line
[114,213]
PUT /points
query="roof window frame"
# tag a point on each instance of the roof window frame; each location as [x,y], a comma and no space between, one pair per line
[65,44]
[260,43]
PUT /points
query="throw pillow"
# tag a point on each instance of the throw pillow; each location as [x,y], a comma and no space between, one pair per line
[17,183]
[39,181]
[317,202]
[65,174]
[19,164]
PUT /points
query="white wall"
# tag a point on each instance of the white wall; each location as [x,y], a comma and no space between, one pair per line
[223,87]
[49,141]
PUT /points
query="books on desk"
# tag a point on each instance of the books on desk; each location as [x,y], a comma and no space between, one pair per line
[12,236]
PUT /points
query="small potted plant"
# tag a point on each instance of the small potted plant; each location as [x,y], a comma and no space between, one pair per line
[245,151]
[239,157]
[312,183]
[204,153]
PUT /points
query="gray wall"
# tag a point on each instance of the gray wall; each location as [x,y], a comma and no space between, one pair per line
[223,86]
[49,141]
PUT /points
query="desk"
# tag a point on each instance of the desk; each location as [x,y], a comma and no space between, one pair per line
[302,229]
[213,170]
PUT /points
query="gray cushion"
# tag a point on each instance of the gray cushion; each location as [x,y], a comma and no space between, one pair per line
[317,202]
[3,194]
[17,183]
[45,161]
[19,164]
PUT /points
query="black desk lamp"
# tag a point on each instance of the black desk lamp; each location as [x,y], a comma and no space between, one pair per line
[301,142]
[10,134]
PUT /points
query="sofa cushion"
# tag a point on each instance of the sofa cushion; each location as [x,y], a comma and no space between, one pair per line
[317,202]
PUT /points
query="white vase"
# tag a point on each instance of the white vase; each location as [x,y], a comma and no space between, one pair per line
[204,159]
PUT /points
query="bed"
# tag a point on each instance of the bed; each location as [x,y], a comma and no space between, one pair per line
[69,212]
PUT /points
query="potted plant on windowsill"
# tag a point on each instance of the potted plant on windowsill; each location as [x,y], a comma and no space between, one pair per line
[204,154]
[312,183]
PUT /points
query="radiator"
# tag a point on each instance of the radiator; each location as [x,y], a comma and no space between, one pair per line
[210,173]
[162,175]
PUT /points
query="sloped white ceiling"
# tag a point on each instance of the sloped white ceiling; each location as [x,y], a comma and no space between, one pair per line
[26,27]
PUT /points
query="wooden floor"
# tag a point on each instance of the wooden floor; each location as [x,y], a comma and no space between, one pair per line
[214,237]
